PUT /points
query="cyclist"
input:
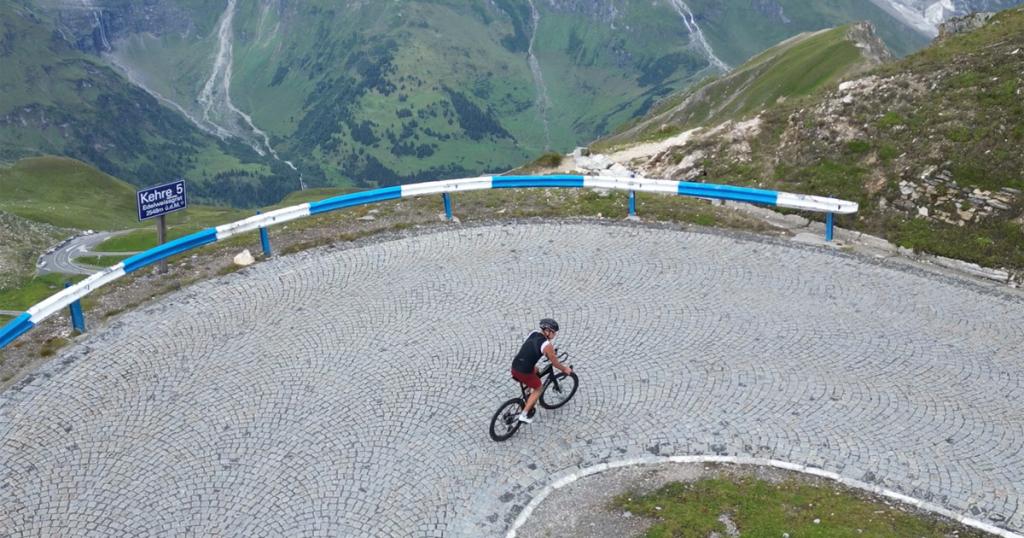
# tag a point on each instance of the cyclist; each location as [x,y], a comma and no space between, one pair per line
[524,366]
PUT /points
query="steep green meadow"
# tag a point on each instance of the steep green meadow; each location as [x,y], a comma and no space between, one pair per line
[67,193]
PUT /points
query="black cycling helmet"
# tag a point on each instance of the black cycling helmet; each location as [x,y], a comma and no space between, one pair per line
[548,323]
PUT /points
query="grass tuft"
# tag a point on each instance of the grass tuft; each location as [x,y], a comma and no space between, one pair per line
[100,261]
[52,346]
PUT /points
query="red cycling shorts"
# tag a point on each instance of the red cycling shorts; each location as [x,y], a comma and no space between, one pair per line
[530,380]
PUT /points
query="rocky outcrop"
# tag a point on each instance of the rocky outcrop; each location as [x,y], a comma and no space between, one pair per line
[94,27]
[936,196]
[963,24]
[684,157]
[862,34]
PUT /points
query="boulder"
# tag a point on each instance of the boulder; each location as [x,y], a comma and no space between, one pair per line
[617,170]
[244,258]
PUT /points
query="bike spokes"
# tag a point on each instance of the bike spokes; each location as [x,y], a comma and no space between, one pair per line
[559,391]
[505,421]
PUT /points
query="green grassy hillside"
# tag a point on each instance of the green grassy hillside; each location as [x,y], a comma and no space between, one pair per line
[359,93]
[70,194]
[67,193]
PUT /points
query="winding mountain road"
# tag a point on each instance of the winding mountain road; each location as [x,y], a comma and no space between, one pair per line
[346,391]
[62,260]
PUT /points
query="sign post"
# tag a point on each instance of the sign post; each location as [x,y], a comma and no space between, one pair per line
[159,201]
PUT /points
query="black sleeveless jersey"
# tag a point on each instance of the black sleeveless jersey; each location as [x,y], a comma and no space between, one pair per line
[530,353]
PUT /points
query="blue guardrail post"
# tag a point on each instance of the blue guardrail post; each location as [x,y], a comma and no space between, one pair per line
[447,205]
[829,222]
[77,317]
[265,241]
[632,204]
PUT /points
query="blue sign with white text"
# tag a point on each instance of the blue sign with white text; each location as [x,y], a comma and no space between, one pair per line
[162,199]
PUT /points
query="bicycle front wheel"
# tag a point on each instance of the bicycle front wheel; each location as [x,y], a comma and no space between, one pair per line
[559,391]
[504,422]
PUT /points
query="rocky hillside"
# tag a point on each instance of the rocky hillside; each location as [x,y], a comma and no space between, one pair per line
[22,241]
[928,145]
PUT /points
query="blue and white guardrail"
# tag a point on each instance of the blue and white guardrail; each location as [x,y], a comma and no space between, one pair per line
[39,312]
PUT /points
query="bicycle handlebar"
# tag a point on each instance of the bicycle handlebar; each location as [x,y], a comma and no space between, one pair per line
[562,358]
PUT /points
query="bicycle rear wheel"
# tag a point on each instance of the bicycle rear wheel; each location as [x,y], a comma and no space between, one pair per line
[504,423]
[559,391]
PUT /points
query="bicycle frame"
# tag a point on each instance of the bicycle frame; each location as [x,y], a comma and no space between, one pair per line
[547,374]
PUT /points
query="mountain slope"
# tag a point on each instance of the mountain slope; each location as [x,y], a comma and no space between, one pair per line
[382,92]
[928,145]
[741,30]
[57,100]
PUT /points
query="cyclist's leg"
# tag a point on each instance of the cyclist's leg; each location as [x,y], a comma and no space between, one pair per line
[535,389]
[533,382]
[531,401]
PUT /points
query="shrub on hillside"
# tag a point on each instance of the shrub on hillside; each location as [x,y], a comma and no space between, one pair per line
[549,159]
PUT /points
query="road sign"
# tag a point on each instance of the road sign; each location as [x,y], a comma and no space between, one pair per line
[161,200]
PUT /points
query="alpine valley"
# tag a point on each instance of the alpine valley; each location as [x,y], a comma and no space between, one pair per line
[250,100]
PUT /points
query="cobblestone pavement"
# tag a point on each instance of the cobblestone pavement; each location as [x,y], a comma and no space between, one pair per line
[347,392]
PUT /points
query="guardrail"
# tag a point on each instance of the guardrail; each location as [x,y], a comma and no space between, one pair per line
[66,297]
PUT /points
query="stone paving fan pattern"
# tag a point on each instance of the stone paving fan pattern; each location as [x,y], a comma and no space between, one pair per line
[347,392]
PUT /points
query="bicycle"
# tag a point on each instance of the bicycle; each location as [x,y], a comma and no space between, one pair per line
[504,423]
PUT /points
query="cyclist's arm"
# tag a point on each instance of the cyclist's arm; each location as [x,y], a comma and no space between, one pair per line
[549,352]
